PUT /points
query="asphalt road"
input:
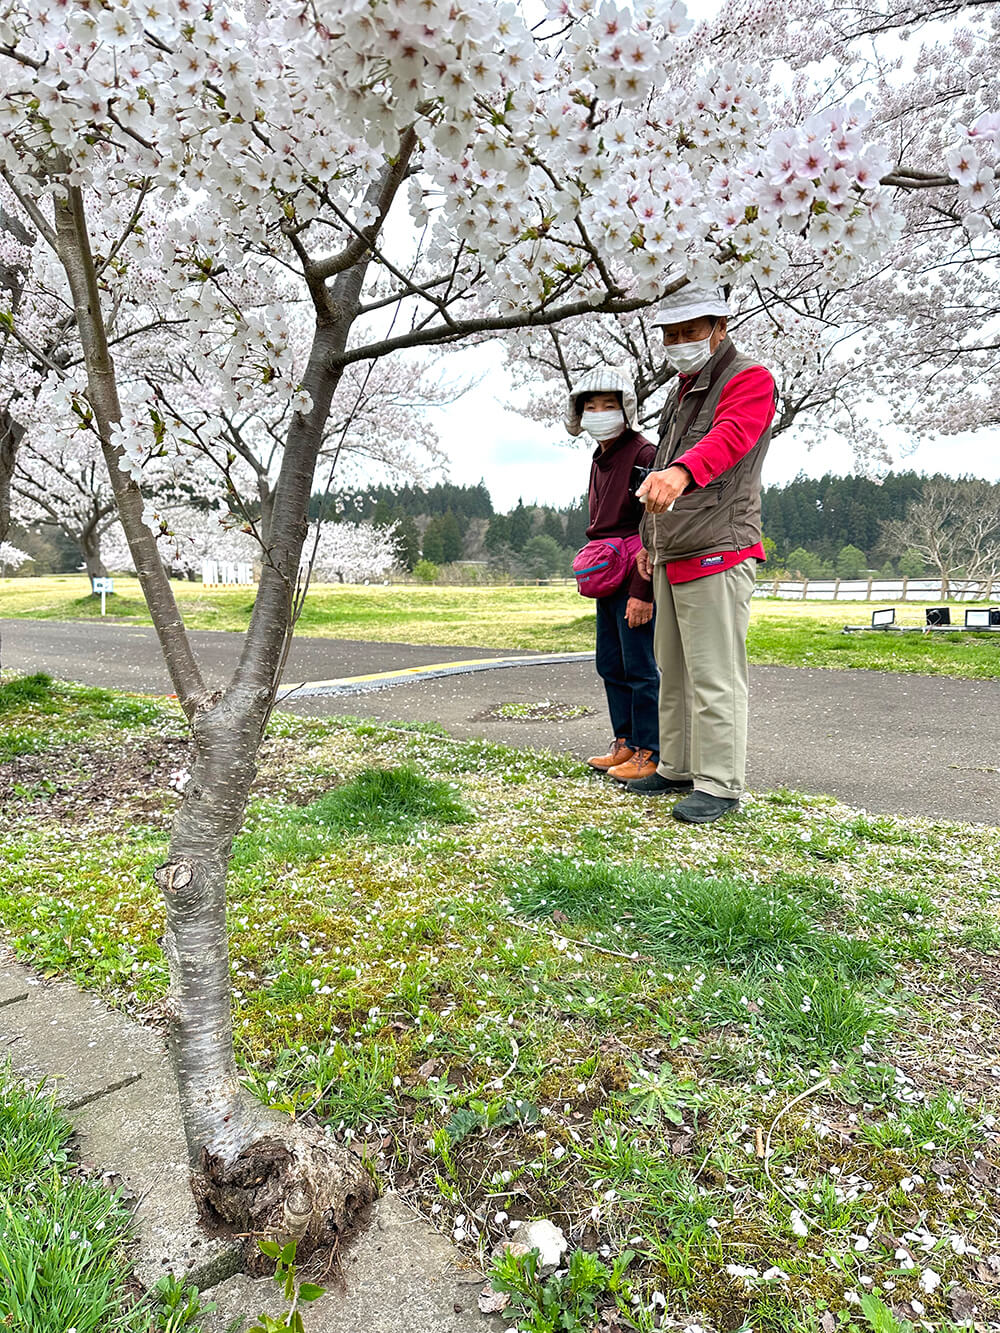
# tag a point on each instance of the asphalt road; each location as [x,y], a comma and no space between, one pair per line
[899,744]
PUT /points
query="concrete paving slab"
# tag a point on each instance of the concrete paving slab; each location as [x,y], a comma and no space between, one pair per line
[136,1133]
[13,989]
[114,1080]
[83,1048]
[400,1276]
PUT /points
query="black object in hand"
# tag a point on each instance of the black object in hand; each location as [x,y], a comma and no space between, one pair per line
[637,476]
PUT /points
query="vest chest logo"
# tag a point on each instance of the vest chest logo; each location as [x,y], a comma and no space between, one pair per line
[708,560]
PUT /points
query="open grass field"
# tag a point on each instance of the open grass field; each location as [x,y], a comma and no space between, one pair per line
[554,619]
[752,1071]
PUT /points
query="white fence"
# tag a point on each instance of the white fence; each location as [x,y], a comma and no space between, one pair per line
[879,590]
[224,573]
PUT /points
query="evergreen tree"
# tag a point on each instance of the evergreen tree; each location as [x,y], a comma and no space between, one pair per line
[552,526]
[497,534]
[520,526]
[543,557]
[851,562]
[451,538]
[407,540]
[433,545]
[577,522]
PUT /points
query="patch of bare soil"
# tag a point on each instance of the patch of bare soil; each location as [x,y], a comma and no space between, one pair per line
[984,972]
[143,775]
[96,778]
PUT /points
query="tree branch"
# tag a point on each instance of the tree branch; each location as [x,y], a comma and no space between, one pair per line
[73,247]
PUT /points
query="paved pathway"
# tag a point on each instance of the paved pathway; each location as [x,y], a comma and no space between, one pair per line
[113,1079]
[901,744]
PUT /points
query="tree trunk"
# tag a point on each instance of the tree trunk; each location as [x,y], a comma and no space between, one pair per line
[90,545]
[10,437]
[259,1175]
[255,1173]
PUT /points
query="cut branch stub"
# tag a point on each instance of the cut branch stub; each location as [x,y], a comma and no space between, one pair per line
[302,1186]
[173,875]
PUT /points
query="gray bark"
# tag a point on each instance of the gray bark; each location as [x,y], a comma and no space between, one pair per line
[247,1175]
[90,545]
[12,281]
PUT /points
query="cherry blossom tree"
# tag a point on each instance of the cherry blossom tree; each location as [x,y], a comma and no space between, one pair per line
[422,173]
[334,552]
[912,338]
[351,552]
[11,557]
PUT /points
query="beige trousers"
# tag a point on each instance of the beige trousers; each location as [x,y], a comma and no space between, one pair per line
[700,646]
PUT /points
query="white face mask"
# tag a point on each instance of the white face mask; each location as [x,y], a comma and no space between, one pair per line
[689,358]
[604,425]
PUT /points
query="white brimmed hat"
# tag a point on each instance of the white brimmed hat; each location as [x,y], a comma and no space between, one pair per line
[602,379]
[691,302]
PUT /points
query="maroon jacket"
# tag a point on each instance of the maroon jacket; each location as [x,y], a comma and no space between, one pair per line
[614,511]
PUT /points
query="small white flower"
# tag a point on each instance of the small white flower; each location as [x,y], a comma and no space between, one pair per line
[929,1280]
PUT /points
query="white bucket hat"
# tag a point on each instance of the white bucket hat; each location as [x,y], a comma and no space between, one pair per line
[602,379]
[691,302]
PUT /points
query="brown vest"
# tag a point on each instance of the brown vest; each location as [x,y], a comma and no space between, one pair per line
[725,514]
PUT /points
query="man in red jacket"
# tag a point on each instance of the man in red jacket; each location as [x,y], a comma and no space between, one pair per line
[701,544]
[602,403]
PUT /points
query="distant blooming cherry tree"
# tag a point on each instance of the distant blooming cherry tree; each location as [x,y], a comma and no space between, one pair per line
[419,172]
[11,557]
[334,552]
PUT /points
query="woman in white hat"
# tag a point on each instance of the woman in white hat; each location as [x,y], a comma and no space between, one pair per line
[602,403]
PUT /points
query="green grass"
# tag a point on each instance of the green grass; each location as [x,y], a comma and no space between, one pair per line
[38,711]
[522,994]
[547,619]
[63,1237]
[389,805]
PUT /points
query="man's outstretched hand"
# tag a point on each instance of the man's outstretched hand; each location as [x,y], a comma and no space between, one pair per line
[661,489]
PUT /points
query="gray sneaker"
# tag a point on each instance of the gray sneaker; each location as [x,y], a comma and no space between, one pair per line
[655,785]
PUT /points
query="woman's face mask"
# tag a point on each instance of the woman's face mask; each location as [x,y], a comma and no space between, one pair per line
[603,425]
[689,358]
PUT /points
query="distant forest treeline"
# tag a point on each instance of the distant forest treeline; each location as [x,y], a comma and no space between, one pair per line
[825,515]
[816,527]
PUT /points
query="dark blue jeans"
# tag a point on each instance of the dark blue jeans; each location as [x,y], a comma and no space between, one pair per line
[626,664]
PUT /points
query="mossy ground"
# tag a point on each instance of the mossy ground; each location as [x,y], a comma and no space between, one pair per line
[764,1055]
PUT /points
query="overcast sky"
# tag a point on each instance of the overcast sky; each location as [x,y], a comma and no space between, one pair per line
[518,458]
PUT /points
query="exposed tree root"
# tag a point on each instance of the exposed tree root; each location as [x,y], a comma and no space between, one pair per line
[302,1185]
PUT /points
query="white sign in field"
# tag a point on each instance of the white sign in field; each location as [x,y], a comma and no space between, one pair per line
[225,573]
[103,586]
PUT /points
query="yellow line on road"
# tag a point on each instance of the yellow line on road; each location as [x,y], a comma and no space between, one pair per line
[348,684]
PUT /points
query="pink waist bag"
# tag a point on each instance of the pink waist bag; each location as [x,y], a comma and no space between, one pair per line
[602,566]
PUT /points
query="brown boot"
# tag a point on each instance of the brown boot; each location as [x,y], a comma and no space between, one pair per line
[620,752]
[639,765]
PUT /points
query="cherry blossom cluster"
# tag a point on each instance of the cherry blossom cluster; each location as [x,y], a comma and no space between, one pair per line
[339,552]
[230,154]
[11,557]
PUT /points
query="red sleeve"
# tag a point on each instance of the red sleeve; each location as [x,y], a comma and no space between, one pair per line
[746,409]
